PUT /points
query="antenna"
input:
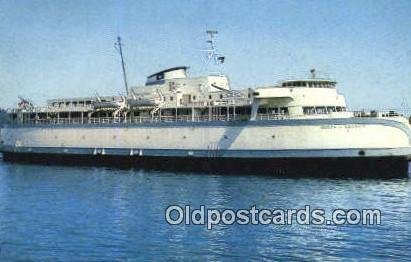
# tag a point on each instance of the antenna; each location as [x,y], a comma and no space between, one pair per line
[211,51]
[312,71]
[118,47]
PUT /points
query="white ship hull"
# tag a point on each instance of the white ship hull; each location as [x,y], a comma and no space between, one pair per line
[352,138]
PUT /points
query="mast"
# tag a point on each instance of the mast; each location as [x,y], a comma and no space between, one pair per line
[118,46]
[211,51]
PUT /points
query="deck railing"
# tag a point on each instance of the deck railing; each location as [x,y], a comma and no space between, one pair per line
[382,113]
[130,120]
[205,118]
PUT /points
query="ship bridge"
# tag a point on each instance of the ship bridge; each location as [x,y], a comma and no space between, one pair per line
[301,97]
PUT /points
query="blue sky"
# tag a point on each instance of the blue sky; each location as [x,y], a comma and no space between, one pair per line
[52,49]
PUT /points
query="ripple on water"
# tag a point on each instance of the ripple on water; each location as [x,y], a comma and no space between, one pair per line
[93,213]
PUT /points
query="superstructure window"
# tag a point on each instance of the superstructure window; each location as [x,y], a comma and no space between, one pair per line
[309,110]
[262,110]
[273,111]
[331,109]
[321,110]
[284,110]
[160,76]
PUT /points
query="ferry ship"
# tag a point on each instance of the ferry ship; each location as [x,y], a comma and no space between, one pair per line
[297,127]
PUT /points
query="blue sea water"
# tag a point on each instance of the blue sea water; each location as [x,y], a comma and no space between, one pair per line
[89,214]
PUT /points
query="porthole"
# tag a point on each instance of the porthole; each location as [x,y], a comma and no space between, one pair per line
[361,153]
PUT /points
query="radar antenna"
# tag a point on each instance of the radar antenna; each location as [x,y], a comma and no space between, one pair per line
[118,47]
[211,51]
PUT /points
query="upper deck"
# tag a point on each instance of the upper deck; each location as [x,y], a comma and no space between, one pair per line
[172,96]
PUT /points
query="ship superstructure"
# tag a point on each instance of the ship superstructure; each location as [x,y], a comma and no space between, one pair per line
[170,95]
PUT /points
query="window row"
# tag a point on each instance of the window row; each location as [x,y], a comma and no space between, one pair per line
[312,110]
[312,84]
